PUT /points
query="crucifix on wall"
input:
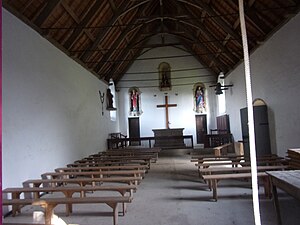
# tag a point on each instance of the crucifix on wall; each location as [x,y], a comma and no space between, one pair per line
[167,105]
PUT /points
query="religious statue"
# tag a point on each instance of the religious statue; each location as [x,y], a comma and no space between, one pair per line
[164,76]
[109,99]
[134,96]
[164,81]
[199,100]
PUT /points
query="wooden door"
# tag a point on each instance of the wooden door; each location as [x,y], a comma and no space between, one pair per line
[201,128]
[134,129]
[261,127]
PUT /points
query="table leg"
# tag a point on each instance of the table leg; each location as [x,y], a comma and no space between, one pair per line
[276,203]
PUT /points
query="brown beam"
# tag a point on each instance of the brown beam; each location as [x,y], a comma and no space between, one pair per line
[76,33]
[47,10]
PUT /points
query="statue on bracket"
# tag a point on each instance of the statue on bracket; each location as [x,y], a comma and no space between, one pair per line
[109,100]
[199,98]
[164,76]
[135,101]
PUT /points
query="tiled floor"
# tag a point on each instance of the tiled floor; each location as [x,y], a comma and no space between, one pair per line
[173,194]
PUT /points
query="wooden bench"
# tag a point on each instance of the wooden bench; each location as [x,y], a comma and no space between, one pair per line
[132,159]
[222,149]
[211,170]
[108,163]
[153,156]
[50,203]
[238,161]
[68,191]
[92,174]
[214,178]
[102,168]
[80,181]
[134,151]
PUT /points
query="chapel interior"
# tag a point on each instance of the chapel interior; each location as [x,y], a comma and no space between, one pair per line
[80,78]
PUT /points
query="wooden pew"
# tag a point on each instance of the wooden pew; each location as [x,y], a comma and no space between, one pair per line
[213,170]
[80,181]
[134,151]
[214,178]
[68,191]
[92,174]
[222,149]
[235,161]
[226,170]
[102,168]
[108,163]
[108,159]
[50,203]
[152,155]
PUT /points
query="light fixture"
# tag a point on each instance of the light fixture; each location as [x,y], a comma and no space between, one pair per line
[219,88]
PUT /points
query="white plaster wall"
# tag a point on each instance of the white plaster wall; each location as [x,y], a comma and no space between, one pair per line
[181,116]
[51,106]
[275,70]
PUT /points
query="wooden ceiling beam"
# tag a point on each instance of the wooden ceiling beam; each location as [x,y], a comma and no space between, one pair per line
[201,61]
[117,43]
[112,21]
[77,19]
[86,20]
[123,55]
[103,33]
[212,36]
[28,3]
[47,10]
[222,66]
[203,6]
[126,67]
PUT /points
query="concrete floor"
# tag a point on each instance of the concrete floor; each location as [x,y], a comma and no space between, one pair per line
[173,194]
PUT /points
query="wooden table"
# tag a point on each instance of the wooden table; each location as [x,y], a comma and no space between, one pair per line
[288,181]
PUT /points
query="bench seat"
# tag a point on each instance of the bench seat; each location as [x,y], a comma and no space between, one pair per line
[99,173]
[50,203]
[68,191]
[214,178]
[81,181]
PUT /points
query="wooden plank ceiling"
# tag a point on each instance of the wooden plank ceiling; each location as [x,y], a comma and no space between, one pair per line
[106,36]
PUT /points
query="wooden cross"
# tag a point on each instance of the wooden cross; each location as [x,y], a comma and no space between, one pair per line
[166,105]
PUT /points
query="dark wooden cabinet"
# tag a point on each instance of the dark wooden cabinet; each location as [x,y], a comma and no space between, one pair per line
[261,127]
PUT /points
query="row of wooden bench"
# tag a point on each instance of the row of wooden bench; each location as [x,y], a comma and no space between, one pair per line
[213,168]
[81,177]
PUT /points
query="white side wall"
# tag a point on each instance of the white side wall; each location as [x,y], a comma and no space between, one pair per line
[275,70]
[181,116]
[51,106]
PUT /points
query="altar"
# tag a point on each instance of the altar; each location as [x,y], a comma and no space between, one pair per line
[169,138]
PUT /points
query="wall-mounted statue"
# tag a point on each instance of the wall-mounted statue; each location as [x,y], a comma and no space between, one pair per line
[109,100]
[164,76]
[134,101]
[199,98]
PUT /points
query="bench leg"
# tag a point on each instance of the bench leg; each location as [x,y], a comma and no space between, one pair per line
[48,211]
[214,187]
[114,206]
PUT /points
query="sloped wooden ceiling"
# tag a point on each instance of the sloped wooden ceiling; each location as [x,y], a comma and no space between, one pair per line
[106,36]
